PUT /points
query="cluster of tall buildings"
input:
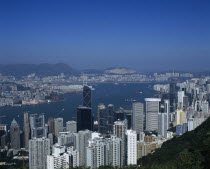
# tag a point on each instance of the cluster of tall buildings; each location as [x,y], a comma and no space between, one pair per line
[116,138]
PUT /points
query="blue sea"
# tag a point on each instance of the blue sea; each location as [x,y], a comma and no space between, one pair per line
[106,93]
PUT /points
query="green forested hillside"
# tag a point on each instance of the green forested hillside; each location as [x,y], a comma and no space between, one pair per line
[189,151]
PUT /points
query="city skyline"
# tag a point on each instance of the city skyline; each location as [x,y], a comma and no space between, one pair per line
[105,84]
[103,34]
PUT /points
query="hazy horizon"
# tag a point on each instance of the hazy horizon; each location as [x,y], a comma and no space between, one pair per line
[143,35]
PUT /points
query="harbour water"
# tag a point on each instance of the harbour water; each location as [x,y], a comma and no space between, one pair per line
[121,95]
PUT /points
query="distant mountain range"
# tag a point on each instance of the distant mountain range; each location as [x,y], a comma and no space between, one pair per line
[44,69]
[189,151]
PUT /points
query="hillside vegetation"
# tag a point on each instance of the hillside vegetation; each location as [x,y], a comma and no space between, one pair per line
[189,151]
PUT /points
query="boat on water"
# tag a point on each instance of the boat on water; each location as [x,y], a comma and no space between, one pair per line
[130,100]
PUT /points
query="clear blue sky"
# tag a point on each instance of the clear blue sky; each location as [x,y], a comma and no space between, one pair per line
[145,35]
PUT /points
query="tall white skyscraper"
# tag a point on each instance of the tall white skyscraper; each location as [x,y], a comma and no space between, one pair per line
[131,147]
[152,110]
[58,124]
[117,151]
[167,111]
[120,128]
[180,99]
[71,126]
[138,117]
[39,148]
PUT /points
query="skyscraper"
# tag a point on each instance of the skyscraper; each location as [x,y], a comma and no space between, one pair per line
[138,117]
[131,147]
[120,128]
[58,124]
[117,152]
[185,102]
[84,118]
[172,95]
[37,125]
[86,96]
[111,112]
[98,151]
[181,95]
[181,117]
[152,110]
[82,138]
[71,126]
[26,130]
[162,124]
[102,119]
[39,148]
[3,135]
[167,111]
[51,125]
[15,135]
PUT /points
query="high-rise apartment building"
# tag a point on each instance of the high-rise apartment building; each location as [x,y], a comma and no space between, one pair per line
[82,138]
[131,147]
[63,158]
[120,128]
[104,152]
[39,148]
